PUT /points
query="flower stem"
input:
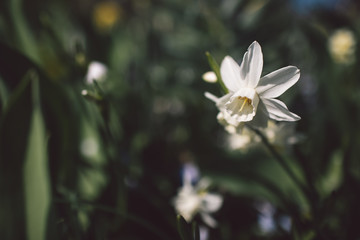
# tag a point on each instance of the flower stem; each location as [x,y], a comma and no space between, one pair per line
[280,160]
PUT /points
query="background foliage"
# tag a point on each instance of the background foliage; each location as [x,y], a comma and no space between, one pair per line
[107,165]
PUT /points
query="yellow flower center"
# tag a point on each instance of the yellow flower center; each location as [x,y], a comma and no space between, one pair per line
[245,101]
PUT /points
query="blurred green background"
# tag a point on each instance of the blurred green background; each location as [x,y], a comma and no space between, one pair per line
[106,164]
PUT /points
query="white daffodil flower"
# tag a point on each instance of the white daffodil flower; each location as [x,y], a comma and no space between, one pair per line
[250,97]
[192,200]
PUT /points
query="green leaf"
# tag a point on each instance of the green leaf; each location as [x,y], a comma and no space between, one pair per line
[215,67]
[333,176]
[14,68]
[36,176]
[24,37]
[14,130]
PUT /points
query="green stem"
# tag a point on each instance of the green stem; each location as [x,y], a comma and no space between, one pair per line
[280,160]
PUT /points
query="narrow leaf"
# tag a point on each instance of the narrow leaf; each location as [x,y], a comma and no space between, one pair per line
[215,67]
[36,177]
[14,130]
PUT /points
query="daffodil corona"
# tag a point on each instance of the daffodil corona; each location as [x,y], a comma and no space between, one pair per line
[251,98]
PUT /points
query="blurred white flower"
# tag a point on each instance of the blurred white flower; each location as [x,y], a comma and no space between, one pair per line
[209,77]
[266,219]
[268,222]
[192,200]
[285,222]
[282,134]
[342,45]
[242,141]
[250,97]
[96,71]
[89,147]
[279,135]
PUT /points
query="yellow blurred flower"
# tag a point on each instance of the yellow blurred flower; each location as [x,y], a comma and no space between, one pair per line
[106,14]
[342,45]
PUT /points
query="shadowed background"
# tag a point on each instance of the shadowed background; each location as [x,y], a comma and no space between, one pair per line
[107,164]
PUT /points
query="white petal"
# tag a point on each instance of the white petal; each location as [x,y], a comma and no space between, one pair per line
[211,202]
[230,74]
[276,83]
[278,111]
[230,123]
[220,102]
[208,220]
[212,97]
[261,118]
[251,66]
[223,100]
[203,184]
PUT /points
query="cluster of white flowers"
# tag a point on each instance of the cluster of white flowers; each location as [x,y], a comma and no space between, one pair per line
[279,135]
[250,102]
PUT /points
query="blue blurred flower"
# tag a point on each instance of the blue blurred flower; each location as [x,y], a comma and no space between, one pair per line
[303,6]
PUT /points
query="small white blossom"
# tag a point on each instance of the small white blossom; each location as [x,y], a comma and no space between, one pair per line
[342,46]
[209,77]
[96,71]
[192,200]
[250,97]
